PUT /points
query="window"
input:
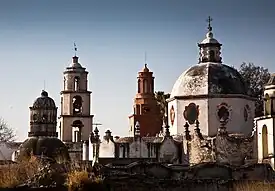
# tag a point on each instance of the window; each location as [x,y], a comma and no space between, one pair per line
[77,105]
[145,86]
[138,85]
[76,84]
[265,141]
[267,105]
[211,55]
[137,109]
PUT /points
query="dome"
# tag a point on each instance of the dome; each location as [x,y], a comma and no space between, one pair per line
[44,101]
[47,146]
[209,39]
[209,78]
[75,63]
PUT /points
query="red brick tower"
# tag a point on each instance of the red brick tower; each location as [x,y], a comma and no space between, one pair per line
[146,110]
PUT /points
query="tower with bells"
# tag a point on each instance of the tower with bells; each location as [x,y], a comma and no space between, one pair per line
[146,109]
[76,121]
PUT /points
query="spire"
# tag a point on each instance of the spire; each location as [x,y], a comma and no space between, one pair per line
[210,47]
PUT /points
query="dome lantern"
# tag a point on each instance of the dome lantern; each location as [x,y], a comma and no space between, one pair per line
[210,48]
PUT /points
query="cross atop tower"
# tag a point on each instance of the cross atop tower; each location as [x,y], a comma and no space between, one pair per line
[209,19]
[75,49]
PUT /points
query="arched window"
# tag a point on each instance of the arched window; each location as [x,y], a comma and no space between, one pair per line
[76,84]
[77,125]
[138,85]
[77,104]
[212,55]
[145,86]
[267,105]
[265,141]
[137,109]
[64,85]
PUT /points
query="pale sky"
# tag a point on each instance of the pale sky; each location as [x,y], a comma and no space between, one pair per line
[37,44]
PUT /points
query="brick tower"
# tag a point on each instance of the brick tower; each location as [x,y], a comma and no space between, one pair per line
[146,110]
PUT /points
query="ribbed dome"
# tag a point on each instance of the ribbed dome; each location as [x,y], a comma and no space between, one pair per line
[48,146]
[209,78]
[44,102]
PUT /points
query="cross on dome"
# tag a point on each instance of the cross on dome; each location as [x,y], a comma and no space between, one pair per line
[209,19]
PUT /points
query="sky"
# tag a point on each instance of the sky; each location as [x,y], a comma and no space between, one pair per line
[36,44]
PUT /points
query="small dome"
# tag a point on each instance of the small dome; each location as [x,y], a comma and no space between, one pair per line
[47,146]
[75,63]
[209,78]
[44,101]
[209,39]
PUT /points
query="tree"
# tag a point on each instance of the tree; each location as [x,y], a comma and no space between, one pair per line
[162,103]
[6,133]
[255,78]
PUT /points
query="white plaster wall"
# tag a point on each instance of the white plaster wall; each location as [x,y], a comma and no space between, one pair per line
[269,122]
[107,149]
[270,92]
[236,123]
[203,115]
[168,147]
[173,128]
[138,149]
[6,152]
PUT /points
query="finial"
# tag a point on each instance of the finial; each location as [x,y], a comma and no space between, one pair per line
[75,49]
[209,19]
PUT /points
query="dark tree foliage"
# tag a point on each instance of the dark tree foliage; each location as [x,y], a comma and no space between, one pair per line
[255,78]
[6,133]
[162,103]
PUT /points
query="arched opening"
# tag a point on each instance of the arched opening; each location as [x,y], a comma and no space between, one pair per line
[265,141]
[77,105]
[76,83]
[64,85]
[212,55]
[76,131]
[138,85]
[137,109]
[44,118]
[267,105]
[145,86]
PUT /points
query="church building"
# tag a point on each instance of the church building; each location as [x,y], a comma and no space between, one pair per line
[211,91]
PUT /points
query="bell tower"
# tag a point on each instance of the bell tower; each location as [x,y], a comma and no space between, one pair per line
[146,110]
[75,120]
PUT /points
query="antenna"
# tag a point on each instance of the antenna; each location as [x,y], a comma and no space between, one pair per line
[145,57]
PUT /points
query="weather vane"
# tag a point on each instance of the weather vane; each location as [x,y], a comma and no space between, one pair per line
[209,19]
[75,49]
